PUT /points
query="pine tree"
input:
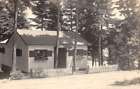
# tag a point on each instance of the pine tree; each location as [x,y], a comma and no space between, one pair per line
[94,17]
[46,14]
[127,26]
[12,17]
[5,22]
[7,15]
[69,15]
[70,23]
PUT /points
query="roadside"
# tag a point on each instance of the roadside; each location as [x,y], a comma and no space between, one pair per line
[105,80]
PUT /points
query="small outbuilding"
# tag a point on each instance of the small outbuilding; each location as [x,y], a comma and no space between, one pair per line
[36,50]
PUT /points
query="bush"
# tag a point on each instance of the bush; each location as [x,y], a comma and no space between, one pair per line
[126,64]
[16,75]
[6,69]
[38,73]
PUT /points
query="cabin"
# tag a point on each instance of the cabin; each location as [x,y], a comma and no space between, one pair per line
[36,50]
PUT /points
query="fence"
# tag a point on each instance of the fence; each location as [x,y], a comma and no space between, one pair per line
[108,68]
[63,72]
[51,72]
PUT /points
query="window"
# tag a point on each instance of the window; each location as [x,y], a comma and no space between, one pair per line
[71,52]
[31,54]
[49,53]
[18,52]
[2,50]
[40,54]
[80,52]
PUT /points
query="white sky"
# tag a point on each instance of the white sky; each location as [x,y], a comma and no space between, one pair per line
[116,12]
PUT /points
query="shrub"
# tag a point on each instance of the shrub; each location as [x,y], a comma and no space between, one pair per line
[5,68]
[16,75]
[126,64]
[38,73]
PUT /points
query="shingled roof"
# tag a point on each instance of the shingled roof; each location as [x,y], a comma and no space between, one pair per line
[35,37]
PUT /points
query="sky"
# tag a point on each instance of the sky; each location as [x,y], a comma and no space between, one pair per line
[115,11]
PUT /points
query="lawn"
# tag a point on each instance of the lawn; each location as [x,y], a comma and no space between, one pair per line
[107,80]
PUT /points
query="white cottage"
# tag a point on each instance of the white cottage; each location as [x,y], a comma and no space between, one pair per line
[36,49]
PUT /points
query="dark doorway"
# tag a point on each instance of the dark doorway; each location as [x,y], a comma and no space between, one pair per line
[62,58]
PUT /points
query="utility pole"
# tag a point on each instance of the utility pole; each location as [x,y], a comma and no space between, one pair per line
[14,39]
[58,30]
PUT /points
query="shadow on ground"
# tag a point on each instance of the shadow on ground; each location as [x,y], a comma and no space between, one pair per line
[4,75]
[127,82]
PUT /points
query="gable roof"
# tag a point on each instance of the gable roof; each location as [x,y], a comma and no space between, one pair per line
[35,37]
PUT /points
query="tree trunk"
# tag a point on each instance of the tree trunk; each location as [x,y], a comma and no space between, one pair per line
[57,41]
[93,59]
[74,56]
[138,64]
[15,30]
[42,24]
[100,48]
[110,57]
[75,41]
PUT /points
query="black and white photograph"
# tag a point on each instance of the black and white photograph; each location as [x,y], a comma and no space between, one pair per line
[69,44]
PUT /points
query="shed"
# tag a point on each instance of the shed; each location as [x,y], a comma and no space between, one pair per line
[36,49]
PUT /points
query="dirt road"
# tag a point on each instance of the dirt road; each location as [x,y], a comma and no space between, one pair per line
[88,81]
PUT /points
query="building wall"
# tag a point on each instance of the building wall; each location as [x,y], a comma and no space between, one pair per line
[49,64]
[41,64]
[22,61]
[25,62]
[6,58]
[79,63]
[1,58]
[1,54]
